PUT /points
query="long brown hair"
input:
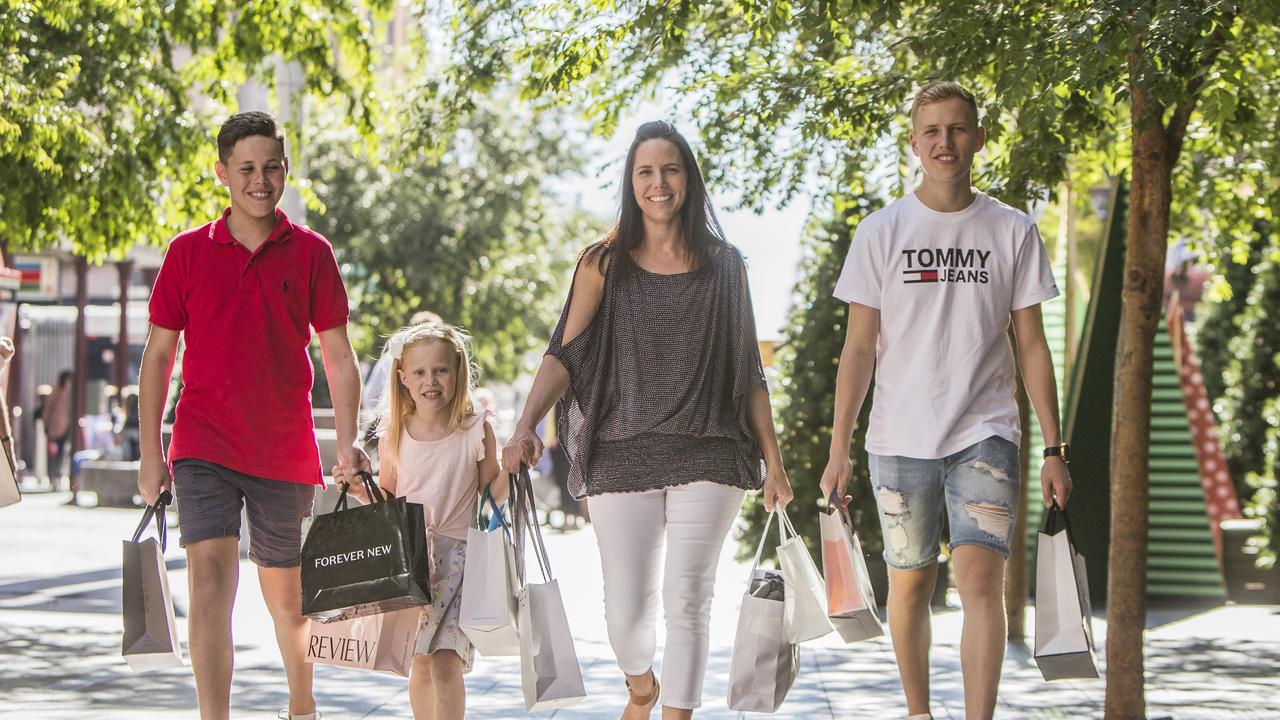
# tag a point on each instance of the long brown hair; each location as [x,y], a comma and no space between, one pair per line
[699,227]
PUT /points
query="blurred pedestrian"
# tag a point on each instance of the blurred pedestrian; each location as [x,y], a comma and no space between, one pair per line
[56,414]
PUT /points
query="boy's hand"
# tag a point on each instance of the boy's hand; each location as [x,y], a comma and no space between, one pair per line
[1055,482]
[153,479]
[524,447]
[835,478]
[353,458]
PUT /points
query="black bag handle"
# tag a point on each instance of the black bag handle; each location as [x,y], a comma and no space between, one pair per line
[1056,520]
[156,511]
[370,487]
[835,504]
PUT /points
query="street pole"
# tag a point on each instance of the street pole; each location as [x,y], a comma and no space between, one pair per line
[81,369]
[121,365]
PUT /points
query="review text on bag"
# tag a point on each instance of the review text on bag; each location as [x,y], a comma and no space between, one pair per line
[341,648]
[340,558]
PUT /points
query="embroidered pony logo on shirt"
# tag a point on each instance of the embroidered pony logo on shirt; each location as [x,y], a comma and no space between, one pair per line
[953,265]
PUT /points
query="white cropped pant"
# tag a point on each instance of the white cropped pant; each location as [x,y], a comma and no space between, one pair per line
[631,530]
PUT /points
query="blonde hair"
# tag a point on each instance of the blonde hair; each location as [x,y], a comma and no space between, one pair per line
[397,403]
[940,90]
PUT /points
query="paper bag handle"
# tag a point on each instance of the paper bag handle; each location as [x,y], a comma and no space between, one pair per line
[1056,520]
[525,517]
[156,511]
[764,535]
[370,487]
[496,519]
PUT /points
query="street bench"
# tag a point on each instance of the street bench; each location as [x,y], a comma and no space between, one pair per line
[322,418]
[114,481]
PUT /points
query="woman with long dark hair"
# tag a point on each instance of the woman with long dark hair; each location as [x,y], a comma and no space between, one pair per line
[665,414]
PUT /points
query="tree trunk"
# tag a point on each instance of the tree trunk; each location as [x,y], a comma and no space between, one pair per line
[1148,226]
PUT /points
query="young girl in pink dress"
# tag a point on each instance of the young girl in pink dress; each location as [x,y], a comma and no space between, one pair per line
[437,449]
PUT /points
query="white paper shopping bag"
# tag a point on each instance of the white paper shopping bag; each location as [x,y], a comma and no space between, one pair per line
[805,614]
[150,639]
[550,676]
[9,493]
[765,663]
[1064,632]
[489,612]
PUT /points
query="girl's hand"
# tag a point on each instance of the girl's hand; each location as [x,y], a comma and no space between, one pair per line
[349,477]
[500,488]
[777,488]
[524,447]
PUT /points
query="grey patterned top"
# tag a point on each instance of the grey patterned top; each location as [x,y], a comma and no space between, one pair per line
[659,382]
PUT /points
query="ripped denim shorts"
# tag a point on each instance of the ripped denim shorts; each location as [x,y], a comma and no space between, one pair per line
[976,487]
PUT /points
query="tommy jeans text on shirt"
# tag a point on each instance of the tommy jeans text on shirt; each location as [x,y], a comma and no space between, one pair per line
[955,265]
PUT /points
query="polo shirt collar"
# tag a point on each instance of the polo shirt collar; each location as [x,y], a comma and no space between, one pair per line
[221,234]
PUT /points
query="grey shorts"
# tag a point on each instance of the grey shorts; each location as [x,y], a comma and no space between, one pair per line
[209,497]
[974,490]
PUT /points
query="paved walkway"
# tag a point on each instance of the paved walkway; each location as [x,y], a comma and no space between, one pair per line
[60,634]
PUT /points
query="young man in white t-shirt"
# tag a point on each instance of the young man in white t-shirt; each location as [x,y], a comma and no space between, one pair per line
[932,281]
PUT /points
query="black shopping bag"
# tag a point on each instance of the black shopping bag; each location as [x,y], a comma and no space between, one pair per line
[365,560]
[150,635]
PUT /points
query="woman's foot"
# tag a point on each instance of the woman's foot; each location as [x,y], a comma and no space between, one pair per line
[640,704]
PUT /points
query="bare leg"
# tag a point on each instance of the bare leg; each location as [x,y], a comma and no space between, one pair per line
[422,691]
[450,691]
[282,590]
[213,572]
[980,579]
[912,631]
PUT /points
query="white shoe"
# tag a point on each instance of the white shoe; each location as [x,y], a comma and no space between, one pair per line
[284,715]
[921,716]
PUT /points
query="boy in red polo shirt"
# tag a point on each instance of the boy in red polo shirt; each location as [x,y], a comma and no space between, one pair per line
[245,291]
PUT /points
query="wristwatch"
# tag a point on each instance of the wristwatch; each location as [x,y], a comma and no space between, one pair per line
[1063,451]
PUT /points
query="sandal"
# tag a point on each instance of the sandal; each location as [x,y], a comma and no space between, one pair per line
[642,702]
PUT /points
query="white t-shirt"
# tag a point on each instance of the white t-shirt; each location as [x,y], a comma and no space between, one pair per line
[945,285]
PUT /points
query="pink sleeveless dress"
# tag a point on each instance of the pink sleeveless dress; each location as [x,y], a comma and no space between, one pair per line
[443,475]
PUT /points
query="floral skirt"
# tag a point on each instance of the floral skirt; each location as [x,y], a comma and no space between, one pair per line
[438,629]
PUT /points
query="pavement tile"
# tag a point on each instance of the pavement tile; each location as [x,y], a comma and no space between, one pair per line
[60,634]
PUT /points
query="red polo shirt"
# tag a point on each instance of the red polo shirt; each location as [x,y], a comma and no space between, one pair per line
[247,319]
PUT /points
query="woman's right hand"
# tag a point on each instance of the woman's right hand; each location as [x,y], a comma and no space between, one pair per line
[835,478]
[524,447]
